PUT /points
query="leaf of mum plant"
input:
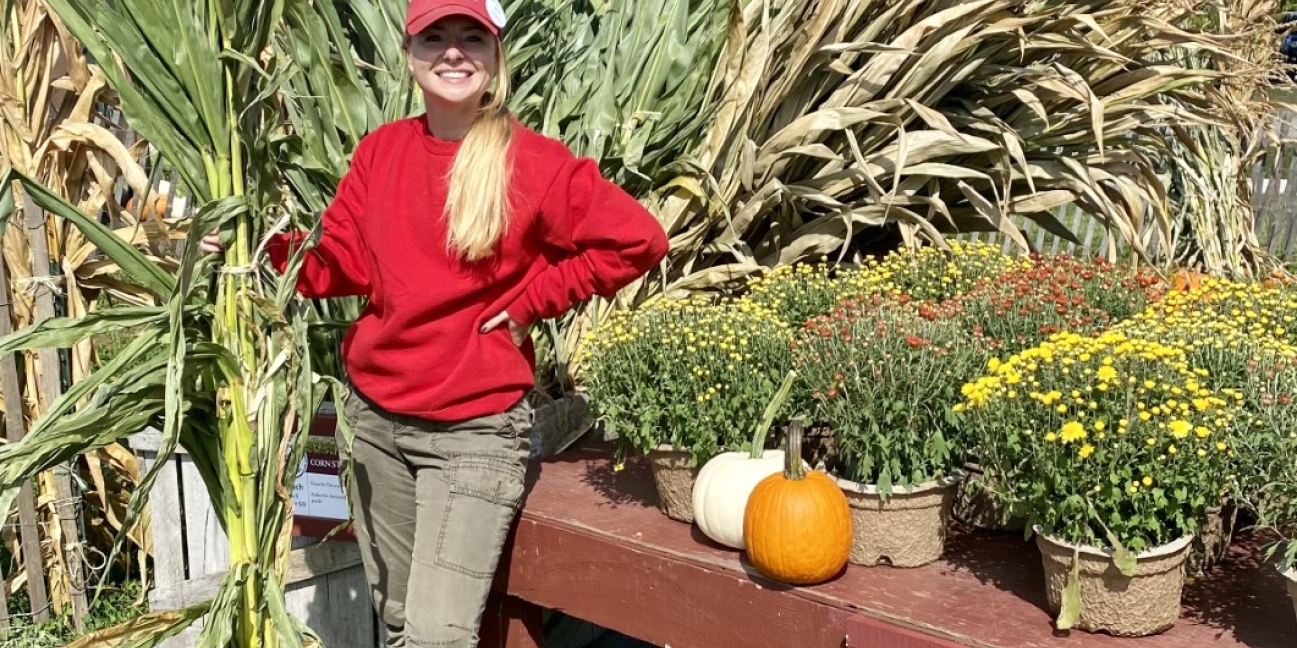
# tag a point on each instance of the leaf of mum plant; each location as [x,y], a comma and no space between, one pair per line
[1070,610]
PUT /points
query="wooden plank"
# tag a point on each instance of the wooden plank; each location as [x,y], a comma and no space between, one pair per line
[335,605]
[150,440]
[28,529]
[1277,207]
[51,387]
[1040,238]
[864,632]
[166,533]
[658,598]
[209,549]
[1087,249]
[1054,240]
[351,614]
[186,639]
[303,564]
[1287,214]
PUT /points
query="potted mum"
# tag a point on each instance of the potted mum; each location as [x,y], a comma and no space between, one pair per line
[884,379]
[1114,448]
[1231,358]
[797,292]
[1019,309]
[1270,483]
[930,273]
[681,381]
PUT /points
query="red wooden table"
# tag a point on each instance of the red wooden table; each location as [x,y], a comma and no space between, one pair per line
[591,543]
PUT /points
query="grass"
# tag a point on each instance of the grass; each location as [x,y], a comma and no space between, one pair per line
[115,606]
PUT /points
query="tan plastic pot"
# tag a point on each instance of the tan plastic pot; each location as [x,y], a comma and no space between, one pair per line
[908,529]
[1291,577]
[1145,604]
[978,507]
[674,478]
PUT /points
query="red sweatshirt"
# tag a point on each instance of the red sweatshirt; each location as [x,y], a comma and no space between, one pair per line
[416,349]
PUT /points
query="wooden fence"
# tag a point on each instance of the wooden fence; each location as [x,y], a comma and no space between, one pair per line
[325,587]
[65,509]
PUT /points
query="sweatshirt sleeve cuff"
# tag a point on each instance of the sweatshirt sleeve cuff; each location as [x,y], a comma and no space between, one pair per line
[521,311]
[280,248]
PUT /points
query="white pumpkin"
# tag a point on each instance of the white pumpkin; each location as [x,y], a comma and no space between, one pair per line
[721,492]
[722,487]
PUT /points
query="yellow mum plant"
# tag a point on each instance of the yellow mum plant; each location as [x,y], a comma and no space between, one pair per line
[1106,441]
[690,373]
[796,293]
[1248,309]
[930,273]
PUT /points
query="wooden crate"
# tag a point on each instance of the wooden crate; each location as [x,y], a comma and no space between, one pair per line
[326,587]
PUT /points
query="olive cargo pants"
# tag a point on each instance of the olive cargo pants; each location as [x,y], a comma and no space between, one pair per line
[433,503]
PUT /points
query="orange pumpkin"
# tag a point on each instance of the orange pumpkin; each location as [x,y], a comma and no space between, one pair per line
[797,524]
[1185,279]
[154,207]
[1278,278]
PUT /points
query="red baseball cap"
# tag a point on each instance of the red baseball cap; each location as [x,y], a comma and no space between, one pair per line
[421,13]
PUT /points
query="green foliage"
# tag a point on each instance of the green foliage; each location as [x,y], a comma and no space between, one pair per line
[114,606]
[1270,481]
[621,82]
[693,374]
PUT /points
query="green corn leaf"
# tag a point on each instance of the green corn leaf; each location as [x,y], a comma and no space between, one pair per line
[143,346]
[131,261]
[144,631]
[66,332]
[1123,558]
[218,631]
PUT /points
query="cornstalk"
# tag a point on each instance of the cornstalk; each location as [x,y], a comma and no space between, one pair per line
[49,132]
[230,332]
[1214,221]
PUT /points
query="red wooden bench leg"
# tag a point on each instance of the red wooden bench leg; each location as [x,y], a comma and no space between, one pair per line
[511,623]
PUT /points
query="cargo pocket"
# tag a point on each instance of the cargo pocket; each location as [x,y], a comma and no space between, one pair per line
[485,493]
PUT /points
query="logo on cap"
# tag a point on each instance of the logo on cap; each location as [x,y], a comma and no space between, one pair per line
[496,11]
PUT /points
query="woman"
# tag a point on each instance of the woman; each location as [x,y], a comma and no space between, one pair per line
[462,228]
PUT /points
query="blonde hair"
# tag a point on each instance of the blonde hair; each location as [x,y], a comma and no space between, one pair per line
[477,203]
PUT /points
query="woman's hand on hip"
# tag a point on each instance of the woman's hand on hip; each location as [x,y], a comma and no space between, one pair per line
[516,331]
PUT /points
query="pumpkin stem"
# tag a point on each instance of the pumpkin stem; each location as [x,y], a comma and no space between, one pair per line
[794,470]
[768,418]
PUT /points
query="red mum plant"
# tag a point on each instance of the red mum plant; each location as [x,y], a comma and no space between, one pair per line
[883,380]
[1055,293]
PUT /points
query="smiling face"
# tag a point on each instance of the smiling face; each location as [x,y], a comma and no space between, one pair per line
[453,61]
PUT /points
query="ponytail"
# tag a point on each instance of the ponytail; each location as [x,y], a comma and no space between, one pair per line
[477,202]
